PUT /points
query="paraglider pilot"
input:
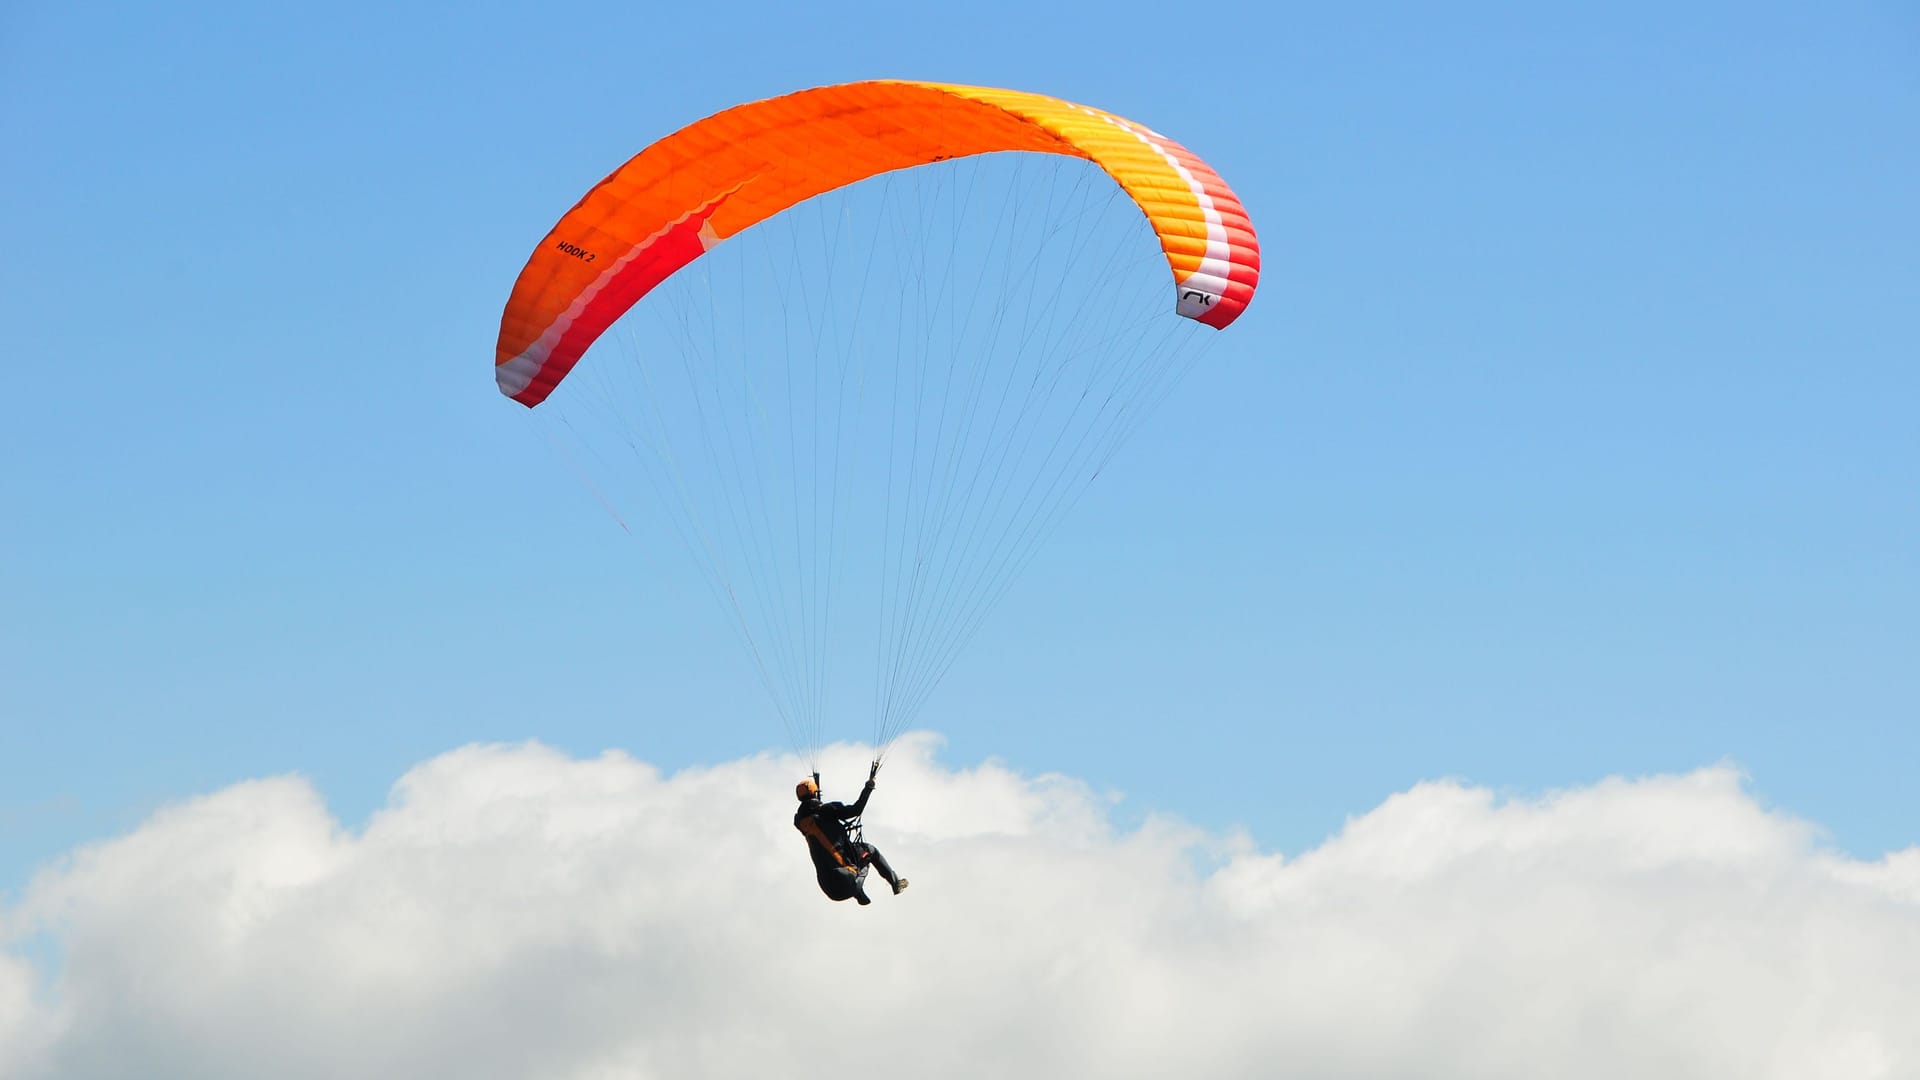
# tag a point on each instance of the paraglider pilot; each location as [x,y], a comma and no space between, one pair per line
[840,861]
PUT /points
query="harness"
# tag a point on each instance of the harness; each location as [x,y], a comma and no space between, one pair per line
[855,828]
[847,855]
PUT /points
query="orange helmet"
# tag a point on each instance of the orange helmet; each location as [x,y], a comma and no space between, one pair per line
[806,789]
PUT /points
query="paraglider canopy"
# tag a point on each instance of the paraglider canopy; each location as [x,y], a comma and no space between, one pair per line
[682,195]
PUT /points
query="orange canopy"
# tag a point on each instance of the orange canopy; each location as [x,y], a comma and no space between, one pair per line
[710,180]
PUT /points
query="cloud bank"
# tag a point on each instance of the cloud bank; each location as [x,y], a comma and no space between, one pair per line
[515,912]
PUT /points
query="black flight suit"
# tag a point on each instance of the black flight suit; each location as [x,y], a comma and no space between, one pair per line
[839,861]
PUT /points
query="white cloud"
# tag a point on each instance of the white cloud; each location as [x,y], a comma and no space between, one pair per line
[518,913]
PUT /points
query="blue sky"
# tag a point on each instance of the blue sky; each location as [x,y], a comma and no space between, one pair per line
[1572,432]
